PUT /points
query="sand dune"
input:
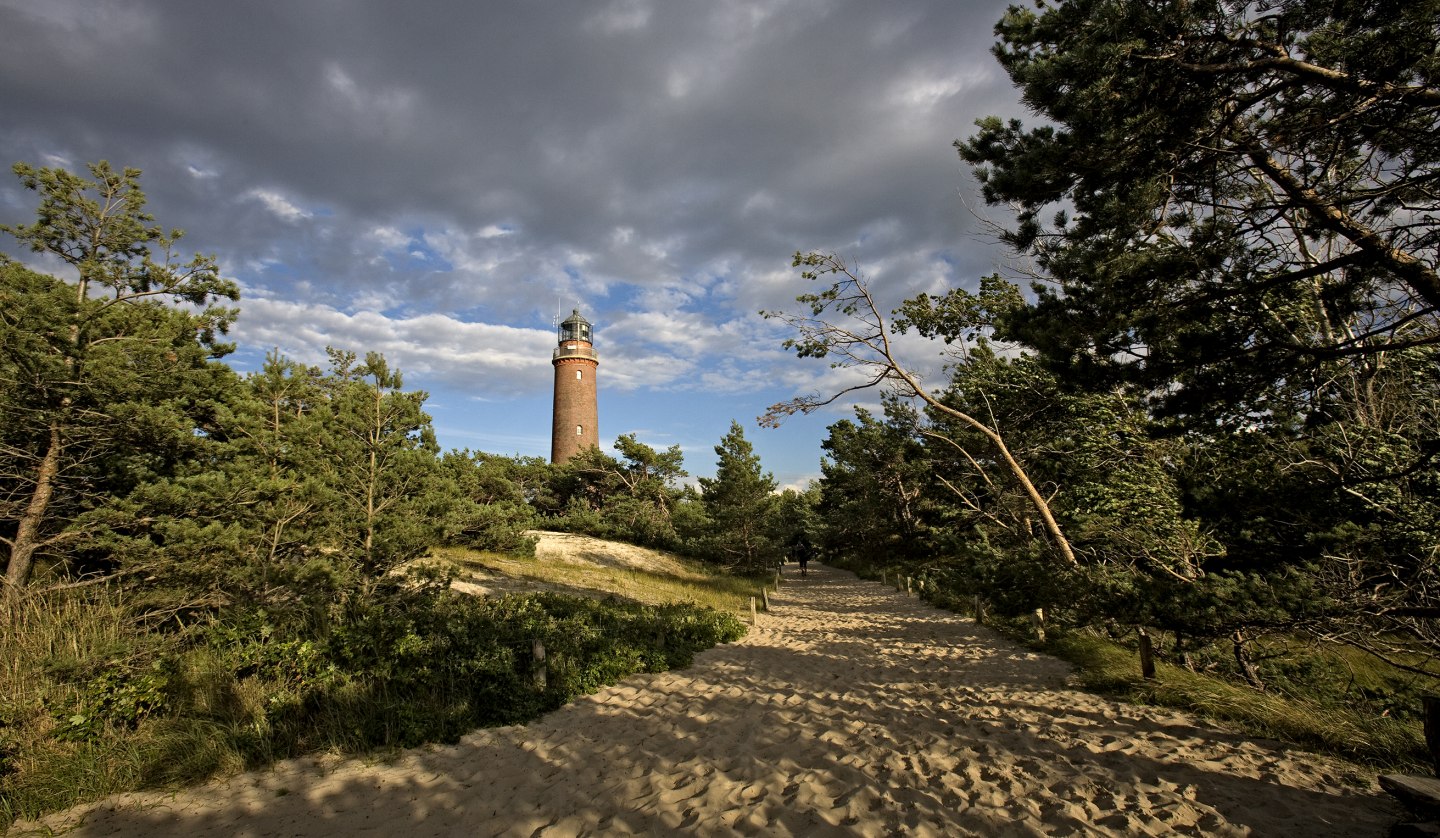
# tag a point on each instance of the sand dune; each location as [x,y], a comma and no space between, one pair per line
[848,710]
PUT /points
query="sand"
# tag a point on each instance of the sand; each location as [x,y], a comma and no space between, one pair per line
[850,709]
[571,549]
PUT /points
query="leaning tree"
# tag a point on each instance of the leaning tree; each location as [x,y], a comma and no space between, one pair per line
[104,376]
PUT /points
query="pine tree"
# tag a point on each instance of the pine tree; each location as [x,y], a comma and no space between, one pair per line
[381,459]
[1224,194]
[102,384]
[738,501]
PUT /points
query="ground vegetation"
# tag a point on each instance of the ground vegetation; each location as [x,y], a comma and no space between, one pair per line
[207,571]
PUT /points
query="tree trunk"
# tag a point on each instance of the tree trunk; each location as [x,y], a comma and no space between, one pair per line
[1242,660]
[1420,277]
[27,535]
[1042,508]
[370,513]
[1182,653]
[372,483]
[839,341]
[1037,500]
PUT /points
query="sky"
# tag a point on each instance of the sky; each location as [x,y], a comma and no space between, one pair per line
[436,179]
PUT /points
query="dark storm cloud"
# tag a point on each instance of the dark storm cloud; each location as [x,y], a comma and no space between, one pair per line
[366,167]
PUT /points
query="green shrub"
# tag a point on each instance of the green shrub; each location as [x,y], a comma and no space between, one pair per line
[399,666]
[1366,737]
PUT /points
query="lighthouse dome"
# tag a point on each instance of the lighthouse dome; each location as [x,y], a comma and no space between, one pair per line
[575,327]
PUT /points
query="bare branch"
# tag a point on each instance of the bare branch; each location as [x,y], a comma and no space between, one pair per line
[848,297]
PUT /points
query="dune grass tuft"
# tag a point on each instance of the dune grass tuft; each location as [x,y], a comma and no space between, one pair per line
[695,582]
[1376,741]
[96,700]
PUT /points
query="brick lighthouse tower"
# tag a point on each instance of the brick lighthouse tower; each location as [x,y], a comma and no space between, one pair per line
[576,416]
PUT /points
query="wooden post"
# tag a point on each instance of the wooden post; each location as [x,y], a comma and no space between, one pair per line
[907,586]
[979,611]
[1431,704]
[778,577]
[752,610]
[882,577]
[1037,619]
[1147,656]
[765,597]
[539,669]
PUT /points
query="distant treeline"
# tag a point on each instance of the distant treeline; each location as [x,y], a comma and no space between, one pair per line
[129,450]
[207,570]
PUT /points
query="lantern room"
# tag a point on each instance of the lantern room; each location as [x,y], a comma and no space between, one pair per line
[575,327]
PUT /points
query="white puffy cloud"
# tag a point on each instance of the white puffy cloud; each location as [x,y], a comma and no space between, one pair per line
[431,181]
[279,205]
[492,358]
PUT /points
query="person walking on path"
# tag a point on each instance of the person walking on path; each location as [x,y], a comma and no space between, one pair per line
[800,551]
[850,710]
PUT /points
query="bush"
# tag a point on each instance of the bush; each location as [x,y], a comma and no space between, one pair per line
[1372,739]
[399,666]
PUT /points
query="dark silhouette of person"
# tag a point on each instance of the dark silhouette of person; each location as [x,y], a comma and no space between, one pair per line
[800,551]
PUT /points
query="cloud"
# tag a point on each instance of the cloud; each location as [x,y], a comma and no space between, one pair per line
[428,181]
[279,205]
[488,357]
[620,17]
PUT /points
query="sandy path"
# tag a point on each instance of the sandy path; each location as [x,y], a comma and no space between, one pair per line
[849,710]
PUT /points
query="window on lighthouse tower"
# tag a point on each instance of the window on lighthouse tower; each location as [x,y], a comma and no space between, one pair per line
[579,430]
[579,375]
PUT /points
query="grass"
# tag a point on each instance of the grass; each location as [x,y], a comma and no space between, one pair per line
[1327,699]
[693,582]
[1377,741]
[1347,675]
[92,705]
[45,638]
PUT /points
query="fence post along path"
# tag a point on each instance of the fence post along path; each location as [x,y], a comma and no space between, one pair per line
[849,709]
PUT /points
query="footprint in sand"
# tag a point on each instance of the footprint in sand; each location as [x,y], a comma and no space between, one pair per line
[896,718]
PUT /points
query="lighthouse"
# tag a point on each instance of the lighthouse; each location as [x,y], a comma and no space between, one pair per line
[576,416]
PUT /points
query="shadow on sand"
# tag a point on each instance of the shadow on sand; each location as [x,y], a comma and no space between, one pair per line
[850,709]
